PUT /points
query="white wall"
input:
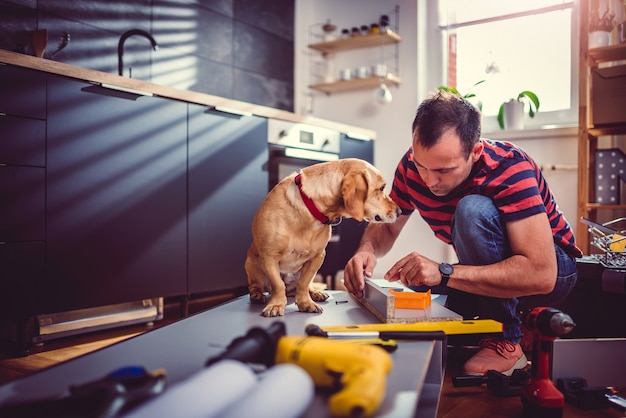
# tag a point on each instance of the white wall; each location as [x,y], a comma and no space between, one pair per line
[420,71]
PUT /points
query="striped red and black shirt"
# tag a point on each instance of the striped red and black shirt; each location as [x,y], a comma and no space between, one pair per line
[504,173]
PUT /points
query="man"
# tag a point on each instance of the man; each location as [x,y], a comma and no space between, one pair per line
[488,200]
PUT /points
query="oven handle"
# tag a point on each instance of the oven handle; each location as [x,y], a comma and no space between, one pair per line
[310,155]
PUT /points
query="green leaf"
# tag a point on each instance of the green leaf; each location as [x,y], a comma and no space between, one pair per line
[449,89]
[534,101]
[501,116]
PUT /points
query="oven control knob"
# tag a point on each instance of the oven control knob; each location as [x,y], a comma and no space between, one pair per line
[282,134]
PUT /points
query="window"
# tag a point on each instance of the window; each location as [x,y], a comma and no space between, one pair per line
[513,46]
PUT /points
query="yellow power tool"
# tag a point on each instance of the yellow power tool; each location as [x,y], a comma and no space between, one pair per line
[356,373]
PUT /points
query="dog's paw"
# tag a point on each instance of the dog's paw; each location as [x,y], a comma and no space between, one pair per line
[273,310]
[256,296]
[318,295]
[309,306]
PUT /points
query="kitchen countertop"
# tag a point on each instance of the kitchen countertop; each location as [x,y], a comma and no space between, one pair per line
[181,349]
[98,77]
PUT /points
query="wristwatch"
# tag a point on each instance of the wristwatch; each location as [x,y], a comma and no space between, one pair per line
[446,271]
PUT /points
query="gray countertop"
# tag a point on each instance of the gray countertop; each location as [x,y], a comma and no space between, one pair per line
[183,347]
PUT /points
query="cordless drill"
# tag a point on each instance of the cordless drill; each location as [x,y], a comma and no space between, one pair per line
[540,397]
[357,373]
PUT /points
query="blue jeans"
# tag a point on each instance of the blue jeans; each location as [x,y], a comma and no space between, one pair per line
[480,238]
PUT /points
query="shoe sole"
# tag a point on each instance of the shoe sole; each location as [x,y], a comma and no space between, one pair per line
[521,363]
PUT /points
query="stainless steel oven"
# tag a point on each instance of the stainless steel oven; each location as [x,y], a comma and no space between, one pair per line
[293,146]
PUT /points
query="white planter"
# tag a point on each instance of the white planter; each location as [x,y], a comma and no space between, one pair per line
[513,115]
[598,39]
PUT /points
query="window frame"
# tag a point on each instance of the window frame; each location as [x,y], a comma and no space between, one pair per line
[543,119]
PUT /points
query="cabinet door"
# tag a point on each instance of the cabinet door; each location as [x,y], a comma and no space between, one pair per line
[22,92]
[23,141]
[22,203]
[116,196]
[22,279]
[227,183]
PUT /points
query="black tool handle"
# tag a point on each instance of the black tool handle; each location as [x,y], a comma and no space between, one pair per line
[257,346]
[466,381]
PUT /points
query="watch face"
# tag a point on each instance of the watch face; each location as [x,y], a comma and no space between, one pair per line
[446,268]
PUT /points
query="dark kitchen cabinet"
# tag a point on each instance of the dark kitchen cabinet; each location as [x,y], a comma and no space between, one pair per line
[22,191]
[227,183]
[116,196]
[23,92]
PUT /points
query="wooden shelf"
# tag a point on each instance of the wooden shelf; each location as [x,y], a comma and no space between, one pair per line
[588,133]
[357,42]
[356,84]
[604,207]
[606,54]
[607,130]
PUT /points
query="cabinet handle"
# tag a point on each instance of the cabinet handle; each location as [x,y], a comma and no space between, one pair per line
[125,89]
[232,111]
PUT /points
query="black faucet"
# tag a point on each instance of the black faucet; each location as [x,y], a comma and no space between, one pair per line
[120,45]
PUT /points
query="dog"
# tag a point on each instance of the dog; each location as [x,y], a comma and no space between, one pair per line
[293,225]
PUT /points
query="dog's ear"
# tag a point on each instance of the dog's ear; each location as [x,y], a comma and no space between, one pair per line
[354,192]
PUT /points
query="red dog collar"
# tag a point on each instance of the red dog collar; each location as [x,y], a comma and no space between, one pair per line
[310,204]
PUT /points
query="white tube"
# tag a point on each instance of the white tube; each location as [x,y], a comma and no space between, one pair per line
[207,393]
[284,391]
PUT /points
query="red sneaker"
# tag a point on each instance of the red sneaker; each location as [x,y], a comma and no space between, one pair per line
[495,354]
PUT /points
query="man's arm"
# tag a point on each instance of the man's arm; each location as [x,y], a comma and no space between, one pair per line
[530,270]
[377,240]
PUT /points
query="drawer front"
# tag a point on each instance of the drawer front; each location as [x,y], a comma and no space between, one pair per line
[22,203]
[22,92]
[22,269]
[22,141]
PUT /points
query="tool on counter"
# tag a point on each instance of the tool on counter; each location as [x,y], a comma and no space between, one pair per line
[540,397]
[458,327]
[356,372]
[500,384]
[585,397]
[107,397]
[315,331]
[394,303]
[231,389]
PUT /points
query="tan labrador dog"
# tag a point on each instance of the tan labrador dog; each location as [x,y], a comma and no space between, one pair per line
[293,226]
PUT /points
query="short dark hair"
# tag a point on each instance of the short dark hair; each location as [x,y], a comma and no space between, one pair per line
[441,111]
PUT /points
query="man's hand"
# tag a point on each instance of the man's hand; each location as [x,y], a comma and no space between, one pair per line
[360,265]
[415,270]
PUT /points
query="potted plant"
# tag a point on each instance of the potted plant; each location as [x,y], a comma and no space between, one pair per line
[511,112]
[600,26]
[468,95]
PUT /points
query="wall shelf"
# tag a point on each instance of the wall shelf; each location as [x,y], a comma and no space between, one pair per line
[356,84]
[328,50]
[357,42]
